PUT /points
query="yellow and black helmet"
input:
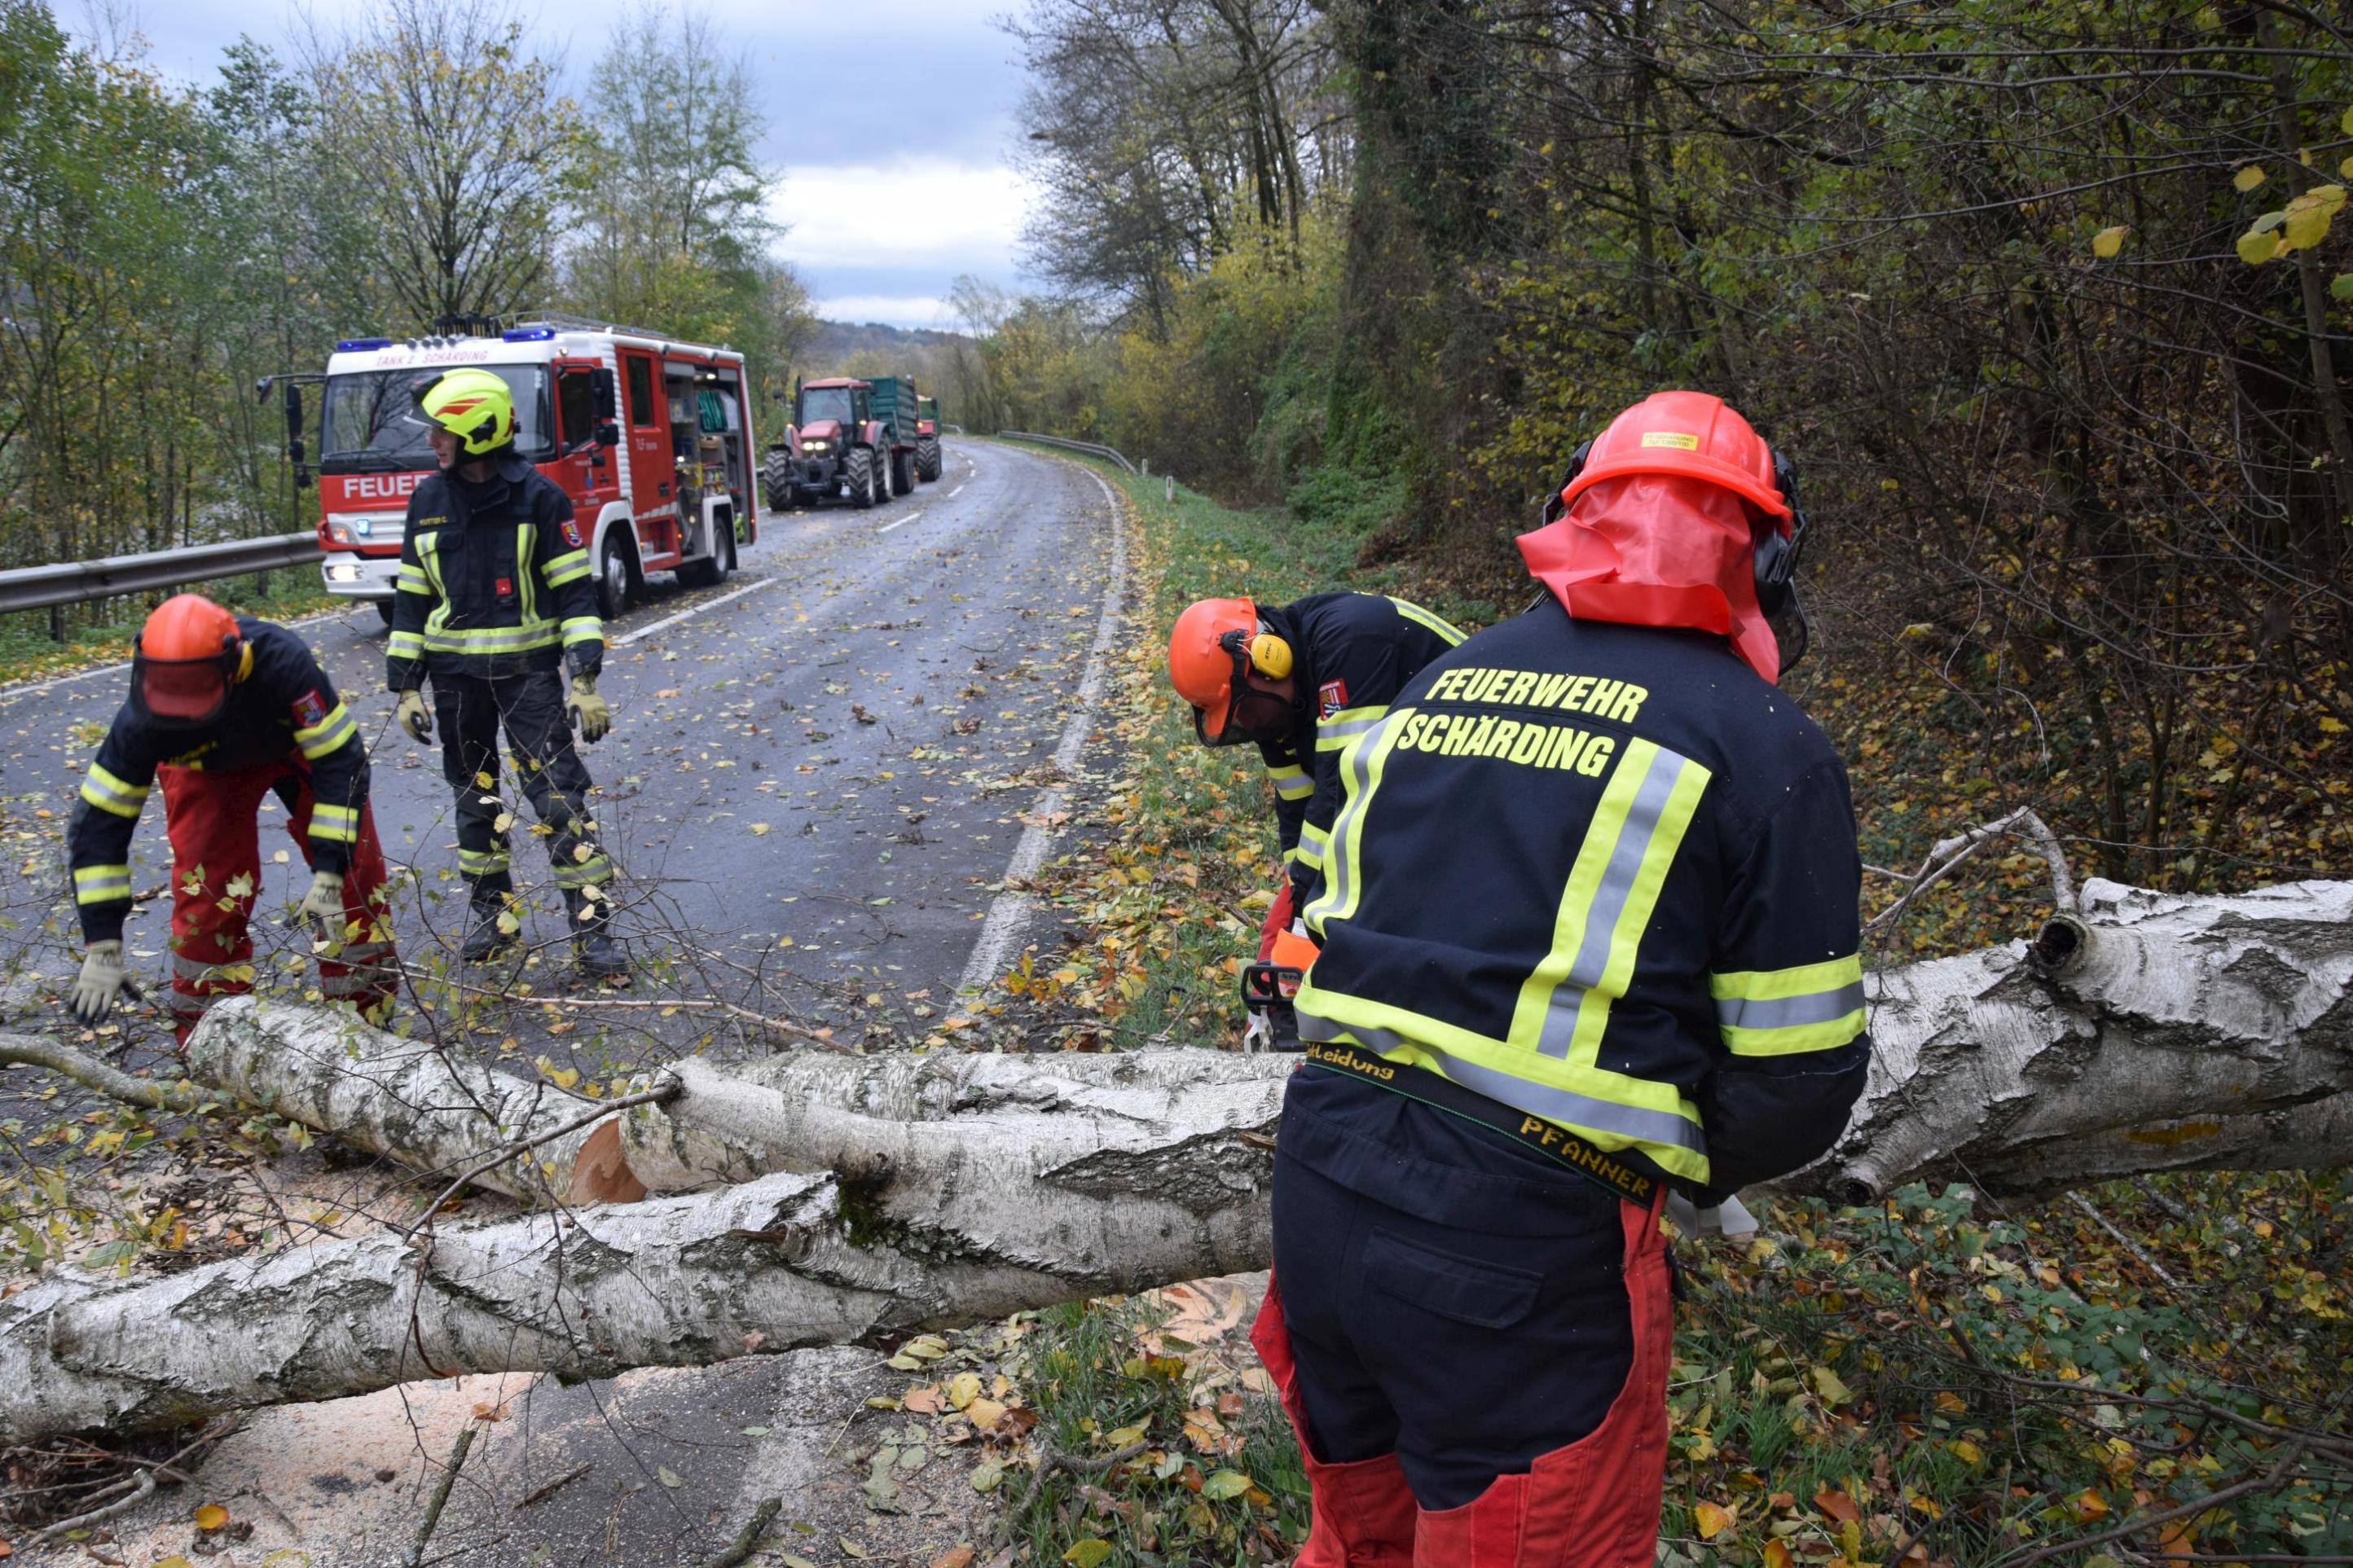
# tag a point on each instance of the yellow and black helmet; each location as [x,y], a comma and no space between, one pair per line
[472,405]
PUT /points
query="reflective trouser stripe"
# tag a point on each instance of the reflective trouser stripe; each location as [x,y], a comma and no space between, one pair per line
[328,734]
[106,792]
[100,884]
[1629,846]
[1564,1106]
[482,862]
[1423,618]
[585,873]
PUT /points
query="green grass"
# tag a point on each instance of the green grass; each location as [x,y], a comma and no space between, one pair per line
[27,649]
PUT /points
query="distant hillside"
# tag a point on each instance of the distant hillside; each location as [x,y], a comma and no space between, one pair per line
[871,348]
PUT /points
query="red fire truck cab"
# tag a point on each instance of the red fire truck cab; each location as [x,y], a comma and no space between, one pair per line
[649,437]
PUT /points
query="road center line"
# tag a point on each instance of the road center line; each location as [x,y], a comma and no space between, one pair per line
[1001,931]
[901,522]
[688,614]
[955,492]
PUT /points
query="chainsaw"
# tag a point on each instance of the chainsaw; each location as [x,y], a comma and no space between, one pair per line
[1268,987]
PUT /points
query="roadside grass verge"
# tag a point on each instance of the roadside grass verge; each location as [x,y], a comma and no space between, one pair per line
[1940,1379]
[27,652]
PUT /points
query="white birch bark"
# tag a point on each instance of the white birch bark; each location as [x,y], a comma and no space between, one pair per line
[884,1193]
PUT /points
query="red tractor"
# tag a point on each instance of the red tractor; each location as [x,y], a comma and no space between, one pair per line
[838,444]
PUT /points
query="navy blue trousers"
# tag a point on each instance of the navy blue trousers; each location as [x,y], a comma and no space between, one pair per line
[1450,1295]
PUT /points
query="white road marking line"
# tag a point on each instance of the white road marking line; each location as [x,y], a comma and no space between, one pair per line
[955,492]
[901,522]
[1001,931]
[689,614]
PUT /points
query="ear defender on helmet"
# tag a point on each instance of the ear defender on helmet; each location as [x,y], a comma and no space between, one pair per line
[1777,556]
[1271,656]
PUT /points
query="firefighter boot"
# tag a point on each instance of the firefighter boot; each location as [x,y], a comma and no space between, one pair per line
[597,957]
[484,940]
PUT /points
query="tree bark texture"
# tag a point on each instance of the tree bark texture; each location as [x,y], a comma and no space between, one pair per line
[860,1197]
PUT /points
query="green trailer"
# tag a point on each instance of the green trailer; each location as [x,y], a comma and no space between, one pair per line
[892,402]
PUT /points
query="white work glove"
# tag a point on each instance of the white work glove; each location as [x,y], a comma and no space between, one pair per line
[323,906]
[415,717]
[99,983]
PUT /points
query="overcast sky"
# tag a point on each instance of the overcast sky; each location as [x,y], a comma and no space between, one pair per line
[891,141]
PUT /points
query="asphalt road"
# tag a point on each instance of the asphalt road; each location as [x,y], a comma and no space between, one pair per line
[813,786]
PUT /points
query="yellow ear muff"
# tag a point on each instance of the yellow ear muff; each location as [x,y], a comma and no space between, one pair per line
[244,662]
[1271,656]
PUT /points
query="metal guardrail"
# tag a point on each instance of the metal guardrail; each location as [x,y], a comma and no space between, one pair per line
[1090,447]
[79,582]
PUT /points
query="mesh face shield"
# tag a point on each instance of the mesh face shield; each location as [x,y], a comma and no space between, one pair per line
[1248,714]
[181,693]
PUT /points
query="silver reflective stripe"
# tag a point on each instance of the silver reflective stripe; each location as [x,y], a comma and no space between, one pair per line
[1786,1012]
[1610,901]
[1355,770]
[1563,1106]
[1330,730]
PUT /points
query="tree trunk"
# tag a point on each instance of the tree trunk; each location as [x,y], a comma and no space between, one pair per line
[876,1196]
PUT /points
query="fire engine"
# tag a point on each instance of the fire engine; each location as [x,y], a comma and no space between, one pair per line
[649,437]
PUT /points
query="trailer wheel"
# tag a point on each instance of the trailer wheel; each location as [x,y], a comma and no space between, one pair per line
[927,460]
[902,473]
[860,470]
[384,612]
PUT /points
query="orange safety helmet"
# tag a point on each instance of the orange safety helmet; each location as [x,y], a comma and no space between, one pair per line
[1214,644]
[184,661]
[1691,433]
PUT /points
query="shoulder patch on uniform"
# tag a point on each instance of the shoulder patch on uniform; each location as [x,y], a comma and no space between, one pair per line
[1331,696]
[309,709]
[571,527]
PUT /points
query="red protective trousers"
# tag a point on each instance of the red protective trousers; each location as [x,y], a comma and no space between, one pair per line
[213,820]
[1593,1504]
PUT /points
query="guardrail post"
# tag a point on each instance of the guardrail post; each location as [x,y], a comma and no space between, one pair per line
[56,623]
[1169,489]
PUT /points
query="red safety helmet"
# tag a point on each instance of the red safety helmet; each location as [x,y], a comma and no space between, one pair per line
[1696,434]
[184,661]
[1214,645]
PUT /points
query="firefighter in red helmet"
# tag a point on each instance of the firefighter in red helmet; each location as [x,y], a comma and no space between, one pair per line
[1588,927]
[1300,680]
[223,710]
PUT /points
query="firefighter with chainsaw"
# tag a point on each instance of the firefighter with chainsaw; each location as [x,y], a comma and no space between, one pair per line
[224,710]
[1301,680]
[1589,932]
[494,595]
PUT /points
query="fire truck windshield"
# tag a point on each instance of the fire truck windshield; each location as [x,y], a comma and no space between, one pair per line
[369,421]
[825,402]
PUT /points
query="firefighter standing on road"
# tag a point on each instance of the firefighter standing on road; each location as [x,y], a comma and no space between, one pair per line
[1301,680]
[1588,926]
[224,710]
[494,594]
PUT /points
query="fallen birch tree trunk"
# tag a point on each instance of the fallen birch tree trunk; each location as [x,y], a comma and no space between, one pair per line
[875,1196]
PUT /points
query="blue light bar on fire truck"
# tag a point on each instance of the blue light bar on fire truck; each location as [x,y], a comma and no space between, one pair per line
[360,345]
[535,332]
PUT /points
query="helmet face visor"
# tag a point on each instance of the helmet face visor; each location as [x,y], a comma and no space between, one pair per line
[1248,714]
[180,693]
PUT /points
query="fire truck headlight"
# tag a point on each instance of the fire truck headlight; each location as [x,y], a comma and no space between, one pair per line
[340,532]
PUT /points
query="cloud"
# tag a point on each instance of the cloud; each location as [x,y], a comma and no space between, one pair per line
[947,219]
[892,309]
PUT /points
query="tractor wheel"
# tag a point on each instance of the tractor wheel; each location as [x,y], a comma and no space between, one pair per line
[776,478]
[860,470]
[927,461]
[902,473]
[886,473]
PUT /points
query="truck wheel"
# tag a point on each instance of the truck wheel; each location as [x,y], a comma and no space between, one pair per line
[384,612]
[777,478]
[860,470]
[615,577]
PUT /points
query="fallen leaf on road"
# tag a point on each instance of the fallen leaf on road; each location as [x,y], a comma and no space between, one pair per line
[211,1516]
[669,1476]
[958,1556]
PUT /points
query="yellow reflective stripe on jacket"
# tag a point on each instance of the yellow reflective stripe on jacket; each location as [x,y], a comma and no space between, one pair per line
[1646,807]
[1344,726]
[583,628]
[568,567]
[412,580]
[403,645]
[524,536]
[1611,1109]
[487,639]
[1360,775]
[428,556]
[328,734]
[100,884]
[1312,842]
[1291,781]
[1784,1011]
[1423,618]
[335,824]
[107,793]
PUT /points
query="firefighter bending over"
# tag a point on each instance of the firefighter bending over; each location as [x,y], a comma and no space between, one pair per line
[224,710]
[1301,680]
[1589,929]
[494,594]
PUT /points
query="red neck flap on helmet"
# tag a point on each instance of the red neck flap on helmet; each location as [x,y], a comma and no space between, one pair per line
[1658,550]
